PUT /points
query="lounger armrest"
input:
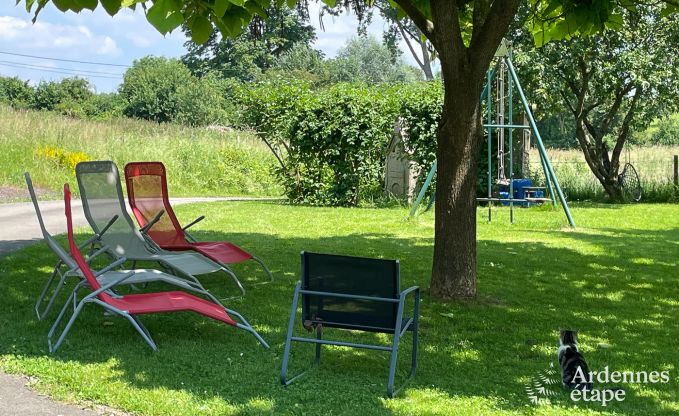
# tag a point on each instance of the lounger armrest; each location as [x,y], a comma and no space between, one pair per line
[97,236]
[91,257]
[153,222]
[111,266]
[194,222]
[109,285]
[108,225]
[89,241]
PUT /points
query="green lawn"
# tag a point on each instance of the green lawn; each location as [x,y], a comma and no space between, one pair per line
[615,278]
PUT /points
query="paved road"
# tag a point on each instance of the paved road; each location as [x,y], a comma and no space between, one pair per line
[18,228]
[19,225]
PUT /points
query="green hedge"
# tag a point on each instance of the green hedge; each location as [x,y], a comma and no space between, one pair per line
[333,140]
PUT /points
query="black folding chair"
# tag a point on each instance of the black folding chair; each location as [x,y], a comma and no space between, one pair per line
[352,293]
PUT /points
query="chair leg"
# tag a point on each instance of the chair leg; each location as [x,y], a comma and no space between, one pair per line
[416,331]
[228,271]
[288,344]
[319,335]
[142,330]
[245,326]
[55,292]
[391,392]
[392,364]
[266,270]
[76,312]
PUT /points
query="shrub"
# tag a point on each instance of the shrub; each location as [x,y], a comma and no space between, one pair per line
[15,92]
[103,106]
[163,90]
[667,133]
[333,140]
[66,95]
[337,138]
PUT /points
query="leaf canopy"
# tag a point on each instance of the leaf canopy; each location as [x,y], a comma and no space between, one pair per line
[550,19]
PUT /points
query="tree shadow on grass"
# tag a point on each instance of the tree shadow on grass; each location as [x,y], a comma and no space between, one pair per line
[479,354]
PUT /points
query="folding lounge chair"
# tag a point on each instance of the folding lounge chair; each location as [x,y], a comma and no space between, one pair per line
[129,306]
[147,195]
[357,294]
[66,267]
[102,198]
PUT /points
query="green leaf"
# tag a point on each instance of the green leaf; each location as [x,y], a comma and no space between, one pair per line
[614,21]
[240,3]
[62,5]
[29,4]
[165,15]
[232,24]
[668,10]
[255,8]
[330,3]
[87,4]
[220,7]
[111,6]
[201,29]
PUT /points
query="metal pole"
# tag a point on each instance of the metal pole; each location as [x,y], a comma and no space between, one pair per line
[541,146]
[489,115]
[676,170]
[548,181]
[511,150]
[427,182]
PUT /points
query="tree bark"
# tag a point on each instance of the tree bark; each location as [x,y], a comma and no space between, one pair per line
[459,139]
[460,136]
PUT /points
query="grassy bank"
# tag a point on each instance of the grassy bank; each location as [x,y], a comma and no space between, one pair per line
[614,278]
[199,161]
[653,164]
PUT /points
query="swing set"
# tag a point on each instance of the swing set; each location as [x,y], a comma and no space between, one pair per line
[512,190]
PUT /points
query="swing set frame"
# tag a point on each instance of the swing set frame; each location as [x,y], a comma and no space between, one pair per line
[505,124]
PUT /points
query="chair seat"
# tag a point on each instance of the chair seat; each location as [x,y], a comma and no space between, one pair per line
[138,304]
[222,252]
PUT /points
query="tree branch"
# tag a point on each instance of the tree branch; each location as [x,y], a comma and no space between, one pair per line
[624,132]
[422,23]
[610,115]
[485,40]
[406,37]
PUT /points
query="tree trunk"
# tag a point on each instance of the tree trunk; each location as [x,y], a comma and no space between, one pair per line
[459,139]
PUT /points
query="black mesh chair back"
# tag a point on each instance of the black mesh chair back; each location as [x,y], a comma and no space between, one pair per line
[352,276]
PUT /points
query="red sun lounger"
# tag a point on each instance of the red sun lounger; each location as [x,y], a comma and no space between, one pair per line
[148,195]
[129,306]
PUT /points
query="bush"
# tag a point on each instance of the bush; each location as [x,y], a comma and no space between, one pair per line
[67,95]
[163,90]
[15,92]
[333,140]
[667,133]
[337,138]
[103,106]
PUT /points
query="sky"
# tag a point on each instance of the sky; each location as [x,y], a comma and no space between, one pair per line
[117,41]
